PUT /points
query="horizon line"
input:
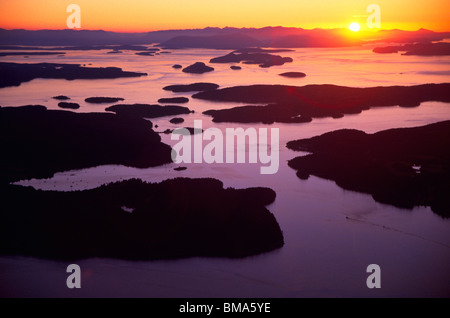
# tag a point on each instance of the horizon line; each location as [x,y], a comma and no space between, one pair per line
[222,28]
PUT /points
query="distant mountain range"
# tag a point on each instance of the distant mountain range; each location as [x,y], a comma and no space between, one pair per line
[218,38]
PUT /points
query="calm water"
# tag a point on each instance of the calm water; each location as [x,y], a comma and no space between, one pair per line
[325,254]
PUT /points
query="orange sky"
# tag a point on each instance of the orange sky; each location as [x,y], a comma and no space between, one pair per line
[148,15]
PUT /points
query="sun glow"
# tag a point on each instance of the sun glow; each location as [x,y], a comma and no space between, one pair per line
[354,27]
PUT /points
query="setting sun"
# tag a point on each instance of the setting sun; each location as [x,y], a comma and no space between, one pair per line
[354,27]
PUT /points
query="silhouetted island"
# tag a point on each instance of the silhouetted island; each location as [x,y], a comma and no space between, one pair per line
[173,100]
[293,74]
[101,100]
[134,220]
[13,74]
[386,49]
[153,49]
[148,111]
[61,97]
[404,167]
[37,142]
[252,56]
[176,120]
[195,87]
[86,47]
[180,168]
[145,53]
[181,131]
[198,68]
[67,105]
[30,53]
[298,104]
[177,66]
[422,49]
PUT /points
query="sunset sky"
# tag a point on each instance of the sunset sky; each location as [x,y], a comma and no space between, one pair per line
[149,15]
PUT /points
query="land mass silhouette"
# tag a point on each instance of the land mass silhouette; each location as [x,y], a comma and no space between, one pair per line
[252,57]
[14,74]
[293,74]
[297,104]
[174,100]
[176,120]
[198,68]
[404,167]
[210,37]
[61,97]
[421,49]
[194,87]
[86,47]
[30,53]
[36,142]
[147,111]
[183,131]
[103,100]
[145,53]
[133,220]
[67,105]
